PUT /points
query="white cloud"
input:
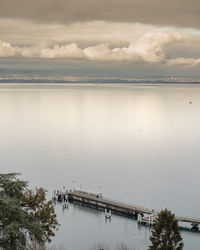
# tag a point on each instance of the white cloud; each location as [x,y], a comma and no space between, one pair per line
[148,48]
[65,51]
[100,41]
[191,62]
[7,50]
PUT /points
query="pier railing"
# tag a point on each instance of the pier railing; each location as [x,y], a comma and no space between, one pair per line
[109,202]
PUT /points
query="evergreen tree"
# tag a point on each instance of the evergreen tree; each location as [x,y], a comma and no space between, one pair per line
[166,235]
[26,218]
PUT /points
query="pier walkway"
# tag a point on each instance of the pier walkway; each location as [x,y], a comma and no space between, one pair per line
[96,200]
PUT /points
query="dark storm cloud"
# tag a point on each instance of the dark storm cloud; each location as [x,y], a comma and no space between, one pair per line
[172,12]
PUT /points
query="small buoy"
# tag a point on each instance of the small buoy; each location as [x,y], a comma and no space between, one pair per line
[65,204]
[139,218]
[108,214]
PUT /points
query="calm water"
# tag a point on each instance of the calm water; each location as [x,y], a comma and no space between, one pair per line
[135,143]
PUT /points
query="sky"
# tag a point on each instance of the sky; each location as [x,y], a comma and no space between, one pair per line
[134,38]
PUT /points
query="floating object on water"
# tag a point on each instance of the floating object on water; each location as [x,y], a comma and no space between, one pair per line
[108,213]
[65,204]
[54,197]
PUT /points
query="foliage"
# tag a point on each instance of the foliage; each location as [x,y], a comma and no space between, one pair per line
[26,218]
[42,210]
[166,235]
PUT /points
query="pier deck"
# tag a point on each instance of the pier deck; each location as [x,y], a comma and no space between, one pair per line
[98,201]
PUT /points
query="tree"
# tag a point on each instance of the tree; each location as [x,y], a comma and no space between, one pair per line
[166,235]
[42,210]
[26,218]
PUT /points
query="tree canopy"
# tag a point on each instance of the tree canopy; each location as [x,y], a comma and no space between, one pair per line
[166,235]
[27,220]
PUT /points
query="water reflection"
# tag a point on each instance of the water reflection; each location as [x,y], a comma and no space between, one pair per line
[135,139]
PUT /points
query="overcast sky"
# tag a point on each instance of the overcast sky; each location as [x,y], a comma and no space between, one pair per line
[144,34]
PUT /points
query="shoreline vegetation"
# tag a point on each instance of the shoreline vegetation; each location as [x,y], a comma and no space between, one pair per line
[64,79]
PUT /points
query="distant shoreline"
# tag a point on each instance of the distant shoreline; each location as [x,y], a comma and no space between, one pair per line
[45,81]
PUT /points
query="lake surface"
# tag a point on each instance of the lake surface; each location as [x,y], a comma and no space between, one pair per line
[135,143]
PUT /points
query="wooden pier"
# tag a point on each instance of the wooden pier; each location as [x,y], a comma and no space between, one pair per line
[96,200]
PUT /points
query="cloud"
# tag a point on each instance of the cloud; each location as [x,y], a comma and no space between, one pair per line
[7,50]
[190,62]
[148,45]
[65,51]
[148,48]
[22,32]
[182,13]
